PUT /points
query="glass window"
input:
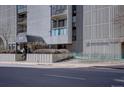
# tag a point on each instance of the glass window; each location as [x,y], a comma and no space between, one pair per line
[74,10]
[74,19]
[21,8]
[64,31]
[74,35]
[56,32]
[52,33]
[54,23]
[62,23]
[59,32]
[74,7]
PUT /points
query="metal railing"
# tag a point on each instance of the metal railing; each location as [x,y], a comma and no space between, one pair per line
[58,31]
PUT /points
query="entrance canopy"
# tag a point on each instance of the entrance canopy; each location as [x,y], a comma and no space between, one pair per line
[1,44]
[35,39]
[23,38]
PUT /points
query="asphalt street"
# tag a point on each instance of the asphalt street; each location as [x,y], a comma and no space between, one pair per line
[61,77]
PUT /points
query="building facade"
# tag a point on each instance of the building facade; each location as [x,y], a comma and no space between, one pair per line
[66,27]
[94,30]
[56,25]
[103,31]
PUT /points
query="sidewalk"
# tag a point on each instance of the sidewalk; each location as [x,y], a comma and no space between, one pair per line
[65,64]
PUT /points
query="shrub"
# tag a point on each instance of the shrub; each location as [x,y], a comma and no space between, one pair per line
[51,51]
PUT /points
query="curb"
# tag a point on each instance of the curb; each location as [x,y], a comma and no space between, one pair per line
[61,65]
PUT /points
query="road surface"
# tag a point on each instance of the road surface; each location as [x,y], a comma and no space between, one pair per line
[61,77]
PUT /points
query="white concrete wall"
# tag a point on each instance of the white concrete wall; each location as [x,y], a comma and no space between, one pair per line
[100,33]
[7,57]
[46,58]
[38,21]
[8,23]
[69,24]
[39,58]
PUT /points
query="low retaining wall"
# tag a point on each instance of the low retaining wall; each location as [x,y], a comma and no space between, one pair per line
[38,58]
[42,58]
[46,58]
[97,57]
[59,57]
[7,57]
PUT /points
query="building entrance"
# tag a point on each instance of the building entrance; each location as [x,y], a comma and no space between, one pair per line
[1,44]
[122,50]
[21,52]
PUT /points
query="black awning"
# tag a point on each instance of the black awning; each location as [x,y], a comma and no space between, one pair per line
[23,38]
[31,38]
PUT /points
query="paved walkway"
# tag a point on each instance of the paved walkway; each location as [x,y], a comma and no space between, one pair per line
[75,63]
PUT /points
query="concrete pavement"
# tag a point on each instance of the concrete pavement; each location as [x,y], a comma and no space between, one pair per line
[75,63]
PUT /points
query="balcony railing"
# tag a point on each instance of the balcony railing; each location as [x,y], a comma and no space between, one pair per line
[58,31]
[58,9]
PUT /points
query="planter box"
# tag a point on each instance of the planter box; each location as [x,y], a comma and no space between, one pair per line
[46,58]
[59,57]
[7,57]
